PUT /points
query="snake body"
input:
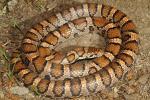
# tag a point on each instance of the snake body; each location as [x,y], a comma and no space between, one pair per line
[67,75]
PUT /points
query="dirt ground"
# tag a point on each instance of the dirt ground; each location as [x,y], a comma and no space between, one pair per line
[17,16]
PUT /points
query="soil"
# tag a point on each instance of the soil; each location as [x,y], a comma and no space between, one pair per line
[17,16]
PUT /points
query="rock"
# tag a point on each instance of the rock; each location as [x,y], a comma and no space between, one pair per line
[12,4]
[19,90]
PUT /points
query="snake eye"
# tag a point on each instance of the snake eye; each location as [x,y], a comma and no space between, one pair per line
[47,77]
[25,61]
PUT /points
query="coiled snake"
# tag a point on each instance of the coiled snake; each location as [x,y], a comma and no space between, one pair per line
[83,70]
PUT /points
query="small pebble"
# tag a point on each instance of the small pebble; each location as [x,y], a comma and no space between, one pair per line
[12,4]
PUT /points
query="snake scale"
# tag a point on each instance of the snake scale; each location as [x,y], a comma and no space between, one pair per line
[81,71]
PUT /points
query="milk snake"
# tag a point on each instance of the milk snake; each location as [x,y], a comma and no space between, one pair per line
[84,70]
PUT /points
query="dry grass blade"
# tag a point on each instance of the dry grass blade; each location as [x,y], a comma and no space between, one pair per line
[5,61]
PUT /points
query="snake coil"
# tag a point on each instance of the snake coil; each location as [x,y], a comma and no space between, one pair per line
[68,75]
